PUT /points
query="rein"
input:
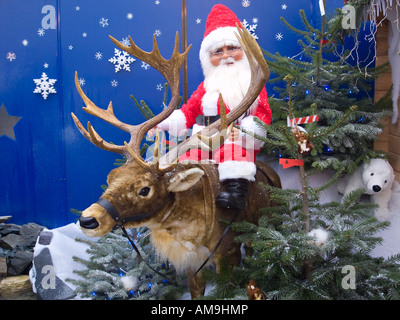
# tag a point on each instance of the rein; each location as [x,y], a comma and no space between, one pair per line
[121,221]
[120,224]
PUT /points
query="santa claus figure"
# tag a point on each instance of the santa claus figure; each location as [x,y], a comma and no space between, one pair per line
[226,72]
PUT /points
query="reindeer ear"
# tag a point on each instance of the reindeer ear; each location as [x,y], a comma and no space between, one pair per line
[184,180]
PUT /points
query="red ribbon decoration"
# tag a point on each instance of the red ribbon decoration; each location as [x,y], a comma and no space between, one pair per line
[287,163]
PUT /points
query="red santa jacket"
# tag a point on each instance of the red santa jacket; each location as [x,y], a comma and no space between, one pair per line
[185,117]
[194,108]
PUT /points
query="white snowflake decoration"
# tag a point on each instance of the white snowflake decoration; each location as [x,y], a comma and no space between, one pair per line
[44,85]
[114,83]
[129,16]
[246,3]
[126,42]
[145,65]
[251,28]
[121,60]
[279,36]
[157,32]
[98,55]
[41,32]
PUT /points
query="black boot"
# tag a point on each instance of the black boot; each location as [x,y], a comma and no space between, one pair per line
[235,196]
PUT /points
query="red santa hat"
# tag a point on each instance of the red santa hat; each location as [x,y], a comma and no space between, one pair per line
[220,31]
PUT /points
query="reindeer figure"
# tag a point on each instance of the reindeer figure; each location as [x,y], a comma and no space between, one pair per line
[176,201]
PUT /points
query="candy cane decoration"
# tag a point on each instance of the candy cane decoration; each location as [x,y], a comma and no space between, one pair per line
[303,120]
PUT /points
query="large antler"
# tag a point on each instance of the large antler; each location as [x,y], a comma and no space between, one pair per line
[259,76]
[170,69]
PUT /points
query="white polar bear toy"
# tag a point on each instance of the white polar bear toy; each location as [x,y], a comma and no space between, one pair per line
[376,177]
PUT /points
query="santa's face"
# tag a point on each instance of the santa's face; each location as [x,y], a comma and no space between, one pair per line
[226,72]
[226,54]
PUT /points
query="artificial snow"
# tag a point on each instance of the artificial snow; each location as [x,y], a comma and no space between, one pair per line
[60,247]
[320,236]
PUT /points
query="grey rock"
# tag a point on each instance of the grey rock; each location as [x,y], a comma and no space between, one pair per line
[29,234]
[20,263]
[10,241]
[7,228]
[4,218]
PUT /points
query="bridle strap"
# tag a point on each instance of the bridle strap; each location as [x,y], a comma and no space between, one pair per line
[120,224]
[110,209]
[121,221]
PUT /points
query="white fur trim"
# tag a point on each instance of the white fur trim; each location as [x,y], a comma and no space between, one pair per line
[175,124]
[237,170]
[224,36]
[209,102]
[250,125]
[197,128]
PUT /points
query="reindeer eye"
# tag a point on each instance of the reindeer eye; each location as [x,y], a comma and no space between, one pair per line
[385,181]
[144,191]
[372,174]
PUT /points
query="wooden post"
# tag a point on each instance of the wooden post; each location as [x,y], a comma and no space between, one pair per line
[185,94]
[389,140]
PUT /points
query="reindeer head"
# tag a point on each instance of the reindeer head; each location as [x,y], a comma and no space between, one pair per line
[139,194]
[138,191]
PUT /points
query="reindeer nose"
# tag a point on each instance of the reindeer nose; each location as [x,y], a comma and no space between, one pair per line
[88,222]
[376,188]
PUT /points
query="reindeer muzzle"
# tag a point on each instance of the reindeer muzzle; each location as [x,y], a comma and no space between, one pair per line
[88,222]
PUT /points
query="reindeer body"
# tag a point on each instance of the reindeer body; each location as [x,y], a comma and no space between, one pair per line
[191,228]
[185,222]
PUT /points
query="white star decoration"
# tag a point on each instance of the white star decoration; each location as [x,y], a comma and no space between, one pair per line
[103,22]
[11,56]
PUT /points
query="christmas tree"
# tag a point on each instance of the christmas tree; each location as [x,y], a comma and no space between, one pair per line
[303,248]
[115,271]
[327,81]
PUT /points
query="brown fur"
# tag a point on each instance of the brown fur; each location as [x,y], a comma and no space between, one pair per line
[305,146]
[187,228]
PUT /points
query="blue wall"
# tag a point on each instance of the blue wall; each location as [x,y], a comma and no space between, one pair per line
[46,166]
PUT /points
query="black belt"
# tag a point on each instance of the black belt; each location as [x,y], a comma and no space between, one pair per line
[207,120]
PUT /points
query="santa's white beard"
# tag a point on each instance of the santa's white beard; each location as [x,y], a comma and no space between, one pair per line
[231,80]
